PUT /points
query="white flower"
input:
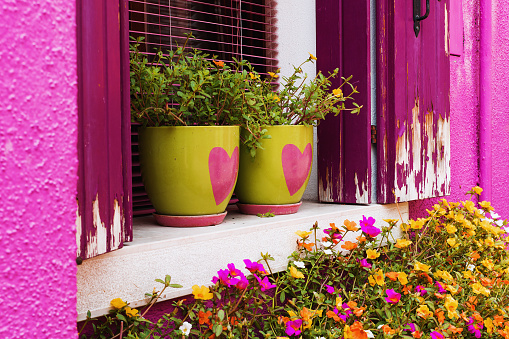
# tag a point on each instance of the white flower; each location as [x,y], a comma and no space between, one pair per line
[380,326]
[186,328]
[319,337]
[327,251]
[495,215]
[471,267]
[299,264]
[369,334]
[499,222]
[326,244]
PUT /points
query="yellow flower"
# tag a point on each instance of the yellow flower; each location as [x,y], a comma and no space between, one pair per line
[391,221]
[486,205]
[379,277]
[372,254]
[339,302]
[312,57]
[450,228]
[489,325]
[424,312]
[451,242]
[371,280]
[276,98]
[452,289]
[421,267]
[402,243]
[477,288]
[296,273]
[469,205]
[337,92]
[403,278]
[118,303]
[489,242]
[488,263]
[467,274]
[447,276]
[477,190]
[202,292]
[131,312]
[253,76]
[417,224]
[451,305]
[273,75]
[303,234]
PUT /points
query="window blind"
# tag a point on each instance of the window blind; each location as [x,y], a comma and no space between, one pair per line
[244,29]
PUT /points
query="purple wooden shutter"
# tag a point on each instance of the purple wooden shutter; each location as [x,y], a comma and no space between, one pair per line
[344,143]
[413,102]
[104,192]
[226,28]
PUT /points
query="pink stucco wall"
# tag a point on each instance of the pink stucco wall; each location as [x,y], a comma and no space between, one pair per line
[38,169]
[465,112]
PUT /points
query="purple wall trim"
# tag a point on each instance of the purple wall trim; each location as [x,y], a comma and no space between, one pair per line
[413,103]
[485,158]
[344,142]
[456,27]
[101,143]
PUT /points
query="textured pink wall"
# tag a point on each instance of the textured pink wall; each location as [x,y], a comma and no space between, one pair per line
[465,110]
[38,169]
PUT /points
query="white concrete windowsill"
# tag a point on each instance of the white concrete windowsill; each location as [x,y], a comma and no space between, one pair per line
[192,256]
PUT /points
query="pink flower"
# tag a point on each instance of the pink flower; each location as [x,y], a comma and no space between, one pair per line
[223,277]
[264,283]
[368,228]
[253,266]
[392,296]
[420,289]
[242,283]
[475,329]
[437,335]
[440,287]
[329,289]
[365,263]
[293,327]
[233,271]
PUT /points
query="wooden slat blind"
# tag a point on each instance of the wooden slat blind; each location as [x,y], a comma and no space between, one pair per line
[242,29]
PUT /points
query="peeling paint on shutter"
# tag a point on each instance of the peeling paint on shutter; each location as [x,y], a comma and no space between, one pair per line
[344,142]
[413,103]
[104,194]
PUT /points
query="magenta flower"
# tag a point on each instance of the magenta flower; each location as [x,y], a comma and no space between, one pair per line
[392,296]
[223,277]
[233,271]
[475,329]
[368,228]
[440,287]
[411,328]
[293,327]
[420,289]
[329,289]
[264,283]
[437,335]
[365,263]
[242,283]
[253,266]
[332,234]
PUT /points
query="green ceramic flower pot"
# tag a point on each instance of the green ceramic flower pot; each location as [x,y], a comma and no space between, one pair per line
[189,170]
[279,173]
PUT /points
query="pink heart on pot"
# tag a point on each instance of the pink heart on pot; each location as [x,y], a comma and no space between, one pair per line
[296,166]
[223,172]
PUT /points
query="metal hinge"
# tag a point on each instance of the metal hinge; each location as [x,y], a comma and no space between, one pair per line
[373,134]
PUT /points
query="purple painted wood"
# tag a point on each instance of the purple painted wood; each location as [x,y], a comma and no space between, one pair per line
[456,27]
[413,103]
[102,197]
[344,144]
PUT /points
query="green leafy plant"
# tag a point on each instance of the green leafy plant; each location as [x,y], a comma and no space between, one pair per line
[442,276]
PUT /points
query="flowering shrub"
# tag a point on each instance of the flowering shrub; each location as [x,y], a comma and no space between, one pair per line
[445,276]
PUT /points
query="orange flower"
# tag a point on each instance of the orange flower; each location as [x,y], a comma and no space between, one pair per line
[349,245]
[234,321]
[454,329]
[204,317]
[392,275]
[307,246]
[333,315]
[357,332]
[504,334]
[498,320]
[360,238]
[284,320]
[407,289]
[352,304]
[218,63]
[425,275]
[388,330]
[416,334]
[477,317]
[440,316]
[350,225]
[358,312]
[475,256]
[440,296]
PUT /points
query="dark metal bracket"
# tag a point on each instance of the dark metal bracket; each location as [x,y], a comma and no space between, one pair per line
[417,15]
